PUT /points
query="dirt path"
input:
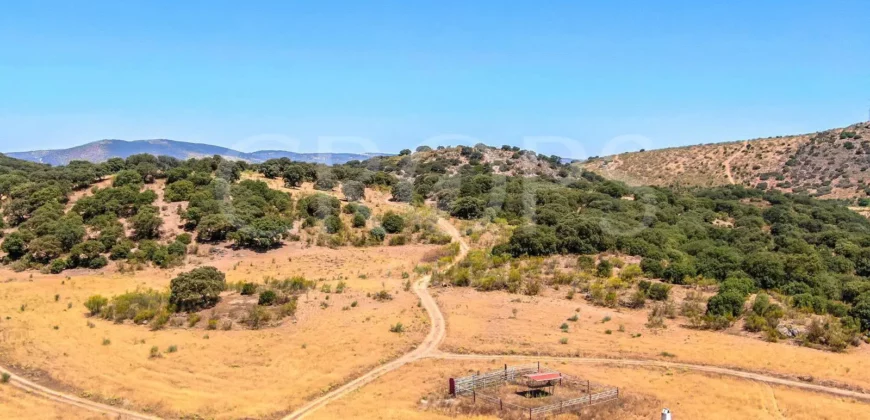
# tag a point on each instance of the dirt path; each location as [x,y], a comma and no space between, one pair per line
[428,346]
[60,397]
[429,349]
[727,162]
[670,365]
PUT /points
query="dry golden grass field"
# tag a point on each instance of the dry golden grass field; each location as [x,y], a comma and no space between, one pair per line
[484,322]
[411,393]
[18,404]
[46,336]
[226,374]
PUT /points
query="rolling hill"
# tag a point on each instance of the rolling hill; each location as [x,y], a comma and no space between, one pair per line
[826,164]
[103,150]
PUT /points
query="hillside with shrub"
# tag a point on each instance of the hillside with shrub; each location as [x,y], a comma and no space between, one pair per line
[809,254]
[147,210]
[830,164]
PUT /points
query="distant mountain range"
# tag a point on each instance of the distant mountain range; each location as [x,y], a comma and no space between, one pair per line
[103,150]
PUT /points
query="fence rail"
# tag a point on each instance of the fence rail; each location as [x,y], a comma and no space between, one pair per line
[468,385]
[496,401]
[610,394]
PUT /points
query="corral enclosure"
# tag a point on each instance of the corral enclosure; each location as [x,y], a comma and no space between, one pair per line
[531,390]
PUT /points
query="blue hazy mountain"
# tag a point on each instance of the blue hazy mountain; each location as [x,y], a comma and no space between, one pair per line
[103,150]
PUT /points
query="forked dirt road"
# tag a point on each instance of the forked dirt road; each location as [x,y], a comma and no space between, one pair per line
[429,349]
[429,344]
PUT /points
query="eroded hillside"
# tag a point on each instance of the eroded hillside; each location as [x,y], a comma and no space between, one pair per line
[828,164]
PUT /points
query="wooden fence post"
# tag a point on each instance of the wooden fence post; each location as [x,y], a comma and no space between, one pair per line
[500,405]
[473,395]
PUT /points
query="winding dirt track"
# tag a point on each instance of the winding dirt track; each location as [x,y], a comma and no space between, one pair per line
[728,163]
[429,349]
[429,345]
[63,398]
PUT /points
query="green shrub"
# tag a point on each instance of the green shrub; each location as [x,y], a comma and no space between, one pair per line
[604,269]
[57,266]
[397,328]
[184,238]
[754,323]
[248,289]
[726,304]
[333,224]
[98,262]
[95,304]
[398,240]
[197,289]
[659,291]
[160,320]
[289,308]
[392,222]
[267,298]
[378,233]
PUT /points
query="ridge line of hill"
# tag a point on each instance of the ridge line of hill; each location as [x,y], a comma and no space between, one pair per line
[103,150]
[828,164]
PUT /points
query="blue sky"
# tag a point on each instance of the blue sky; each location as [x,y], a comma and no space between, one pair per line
[573,78]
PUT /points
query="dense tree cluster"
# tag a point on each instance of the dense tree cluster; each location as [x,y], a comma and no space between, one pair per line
[34,198]
[248,212]
[816,253]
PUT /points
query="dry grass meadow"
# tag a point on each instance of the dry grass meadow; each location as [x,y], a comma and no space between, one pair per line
[484,322]
[413,392]
[46,336]
[214,373]
[18,404]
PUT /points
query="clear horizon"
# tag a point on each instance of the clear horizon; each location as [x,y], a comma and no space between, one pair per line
[566,79]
